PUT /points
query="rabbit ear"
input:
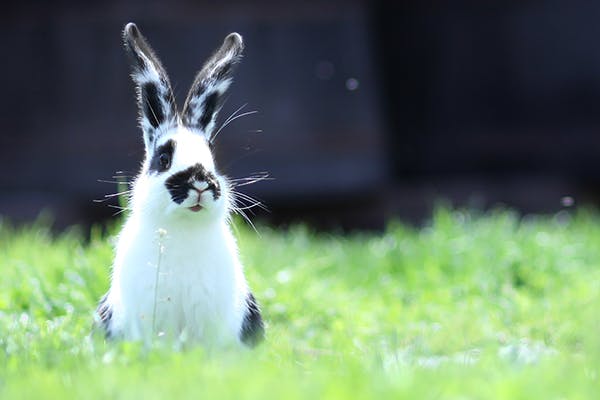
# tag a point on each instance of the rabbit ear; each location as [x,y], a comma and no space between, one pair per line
[207,93]
[155,97]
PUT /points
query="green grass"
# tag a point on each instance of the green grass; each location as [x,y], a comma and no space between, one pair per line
[470,306]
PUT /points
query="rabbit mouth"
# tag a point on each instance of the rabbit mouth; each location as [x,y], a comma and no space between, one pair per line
[195,208]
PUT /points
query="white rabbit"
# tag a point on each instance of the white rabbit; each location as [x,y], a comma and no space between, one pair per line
[176,272]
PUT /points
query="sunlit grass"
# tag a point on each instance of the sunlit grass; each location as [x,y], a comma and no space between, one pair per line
[472,305]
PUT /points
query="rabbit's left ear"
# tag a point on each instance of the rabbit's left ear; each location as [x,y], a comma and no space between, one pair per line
[207,93]
[155,97]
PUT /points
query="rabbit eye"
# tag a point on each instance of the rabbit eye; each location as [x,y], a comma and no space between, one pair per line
[164,161]
[162,158]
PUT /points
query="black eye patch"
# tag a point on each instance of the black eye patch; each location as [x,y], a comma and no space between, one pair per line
[162,157]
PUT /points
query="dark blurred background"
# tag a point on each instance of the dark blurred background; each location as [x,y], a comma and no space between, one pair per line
[367,109]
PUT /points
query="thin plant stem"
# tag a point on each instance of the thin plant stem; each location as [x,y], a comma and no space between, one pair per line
[161,235]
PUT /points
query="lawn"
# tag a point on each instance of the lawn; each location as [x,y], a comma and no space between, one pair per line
[472,305]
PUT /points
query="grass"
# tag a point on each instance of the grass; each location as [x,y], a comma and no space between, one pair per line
[470,306]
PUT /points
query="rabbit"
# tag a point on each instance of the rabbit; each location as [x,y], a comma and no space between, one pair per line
[176,271]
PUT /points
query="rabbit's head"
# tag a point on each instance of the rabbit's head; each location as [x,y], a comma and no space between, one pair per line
[178,174]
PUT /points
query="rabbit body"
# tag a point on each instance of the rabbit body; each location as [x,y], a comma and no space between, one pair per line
[177,279]
[176,272]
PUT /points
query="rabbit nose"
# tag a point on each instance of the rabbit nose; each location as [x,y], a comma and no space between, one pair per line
[199,191]
[199,187]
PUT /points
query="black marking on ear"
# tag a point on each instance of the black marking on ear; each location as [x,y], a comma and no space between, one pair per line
[207,92]
[105,313]
[156,102]
[156,165]
[180,183]
[152,106]
[211,106]
[225,71]
[253,327]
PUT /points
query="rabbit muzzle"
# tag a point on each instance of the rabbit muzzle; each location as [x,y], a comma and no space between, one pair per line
[193,181]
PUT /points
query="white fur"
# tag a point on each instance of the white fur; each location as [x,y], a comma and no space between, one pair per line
[177,273]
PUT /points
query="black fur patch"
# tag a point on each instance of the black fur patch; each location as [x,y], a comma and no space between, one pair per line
[225,71]
[152,106]
[214,72]
[253,327]
[105,314]
[150,135]
[150,93]
[211,104]
[155,163]
[196,91]
[180,183]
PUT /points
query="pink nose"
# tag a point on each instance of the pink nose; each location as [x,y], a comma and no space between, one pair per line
[199,191]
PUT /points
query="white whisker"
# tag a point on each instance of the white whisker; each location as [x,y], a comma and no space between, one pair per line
[254,178]
[113,182]
[121,209]
[238,197]
[250,181]
[235,112]
[247,219]
[111,195]
[230,120]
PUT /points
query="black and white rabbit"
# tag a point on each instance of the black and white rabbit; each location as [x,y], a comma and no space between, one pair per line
[176,271]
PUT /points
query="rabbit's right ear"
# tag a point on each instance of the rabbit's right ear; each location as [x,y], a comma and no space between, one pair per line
[156,102]
[208,90]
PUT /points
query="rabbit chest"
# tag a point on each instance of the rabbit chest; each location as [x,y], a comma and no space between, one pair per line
[178,282]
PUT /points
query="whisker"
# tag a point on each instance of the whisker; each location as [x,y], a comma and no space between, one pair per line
[237,208]
[230,120]
[251,180]
[243,196]
[242,157]
[121,209]
[118,207]
[113,182]
[111,195]
[247,219]
[252,206]
[102,200]
[251,176]
[212,138]
[121,174]
[254,202]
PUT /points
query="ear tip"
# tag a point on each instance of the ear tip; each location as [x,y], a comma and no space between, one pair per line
[234,40]
[131,31]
